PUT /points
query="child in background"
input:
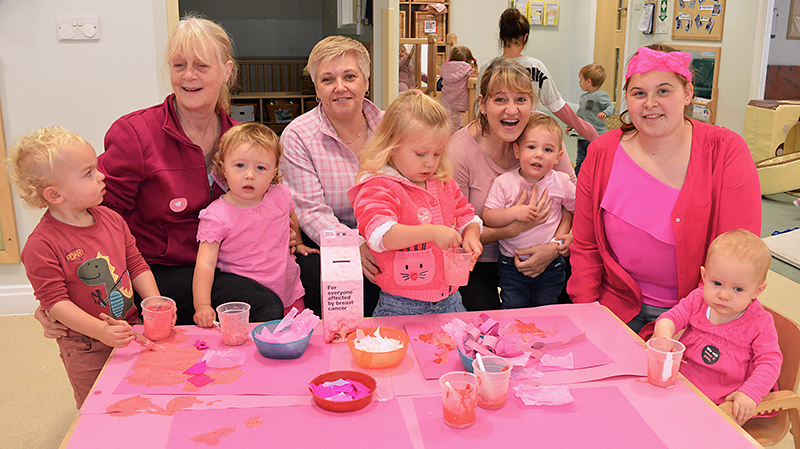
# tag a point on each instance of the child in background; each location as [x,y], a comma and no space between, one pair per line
[246,231]
[406,75]
[595,105]
[732,351]
[409,208]
[538,149]
[455,73]
[81,258]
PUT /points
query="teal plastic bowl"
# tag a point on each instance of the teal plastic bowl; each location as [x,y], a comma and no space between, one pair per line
[290,350]
[466,361]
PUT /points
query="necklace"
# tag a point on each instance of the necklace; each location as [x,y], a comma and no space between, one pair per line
[363,125]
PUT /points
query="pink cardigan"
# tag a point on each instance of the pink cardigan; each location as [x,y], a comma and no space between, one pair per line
[721,192]
[381,201]
[454,84]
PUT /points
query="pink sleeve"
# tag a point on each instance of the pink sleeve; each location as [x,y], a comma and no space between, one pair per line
[740,196]
[767,360]
[123,165]
[464,211]
[682,312]
[374,205]
[568,116]
[211,228]
[585,258]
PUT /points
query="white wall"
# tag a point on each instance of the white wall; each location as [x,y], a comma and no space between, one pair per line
[83,86]
[783,51]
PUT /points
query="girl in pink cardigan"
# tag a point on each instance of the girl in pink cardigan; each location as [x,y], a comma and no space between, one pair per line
[409,209]
[455,73]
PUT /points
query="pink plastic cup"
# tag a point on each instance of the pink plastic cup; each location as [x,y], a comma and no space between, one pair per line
[459,398]
[457,264]
[663,361]
[233,322]
[158,313]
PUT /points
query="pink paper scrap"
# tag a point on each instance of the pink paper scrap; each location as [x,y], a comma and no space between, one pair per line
[200,344]
[200,380]
[197,368]
[224,359]
[340,390]
[543,394]
[565,362]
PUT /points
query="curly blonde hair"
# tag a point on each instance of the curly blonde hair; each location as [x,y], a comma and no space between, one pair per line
[412,114]
[254,134]
[33,159]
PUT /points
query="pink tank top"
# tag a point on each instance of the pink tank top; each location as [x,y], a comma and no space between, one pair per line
[636,214]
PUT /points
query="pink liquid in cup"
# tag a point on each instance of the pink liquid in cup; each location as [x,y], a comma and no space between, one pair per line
[457,264]
[158,313]
[234,319]
[459,398]
[663,361]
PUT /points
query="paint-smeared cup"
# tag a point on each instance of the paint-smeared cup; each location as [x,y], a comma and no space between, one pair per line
[158,313]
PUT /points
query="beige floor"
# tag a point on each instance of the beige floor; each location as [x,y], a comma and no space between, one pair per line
[36,403]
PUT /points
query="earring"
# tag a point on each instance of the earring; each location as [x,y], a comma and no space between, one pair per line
[366,94]
[317,99]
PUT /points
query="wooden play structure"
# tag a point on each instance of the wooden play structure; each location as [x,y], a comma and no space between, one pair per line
[772,131]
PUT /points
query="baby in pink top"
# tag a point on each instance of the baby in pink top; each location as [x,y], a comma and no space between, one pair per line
[246,231]
[514,195]
[732,351]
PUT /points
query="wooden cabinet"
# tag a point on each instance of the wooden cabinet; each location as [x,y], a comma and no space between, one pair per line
[416,23]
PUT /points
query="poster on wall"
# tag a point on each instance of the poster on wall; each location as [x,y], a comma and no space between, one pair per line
[698,20]
[551,14]
[535,13]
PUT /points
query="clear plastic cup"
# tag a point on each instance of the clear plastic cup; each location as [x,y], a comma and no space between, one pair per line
[493,389]
[663,361]
[234,319]
[158,313]
[459,398]
[457,263]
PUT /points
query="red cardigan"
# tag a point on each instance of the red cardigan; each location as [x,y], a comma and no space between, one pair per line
[721,192]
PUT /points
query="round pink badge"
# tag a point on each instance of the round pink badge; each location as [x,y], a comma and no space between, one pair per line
[178,204]
[424,215]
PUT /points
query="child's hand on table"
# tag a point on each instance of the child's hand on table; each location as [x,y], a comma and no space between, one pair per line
[115,333]
[744,407]
[204,316]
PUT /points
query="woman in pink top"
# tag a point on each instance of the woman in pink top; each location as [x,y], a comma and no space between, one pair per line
[482,151]
[655,193]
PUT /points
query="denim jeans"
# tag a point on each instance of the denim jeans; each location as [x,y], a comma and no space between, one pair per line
[391,305]
[518,290]
[647,314]
[583,145]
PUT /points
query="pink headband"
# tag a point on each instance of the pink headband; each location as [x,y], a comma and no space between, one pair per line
[647,59]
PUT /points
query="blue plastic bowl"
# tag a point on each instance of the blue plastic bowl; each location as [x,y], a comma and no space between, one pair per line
[290,350]
[466,361]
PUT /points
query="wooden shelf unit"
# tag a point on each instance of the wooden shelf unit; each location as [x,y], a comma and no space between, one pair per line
[410,29]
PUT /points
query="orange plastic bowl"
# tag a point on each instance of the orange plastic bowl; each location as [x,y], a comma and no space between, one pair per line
[378,360]
[344,406]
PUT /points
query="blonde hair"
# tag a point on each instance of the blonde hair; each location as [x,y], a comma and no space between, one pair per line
[211,43]
[503,73]
[744,246]
[462,53]
[254,134]
[545,122]
[33,161]
[412,114]
[333,47]
[594,73]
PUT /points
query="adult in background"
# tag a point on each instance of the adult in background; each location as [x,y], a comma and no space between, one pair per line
[482,151]
[655,193]
[514,32]
[157,163]
[321,149]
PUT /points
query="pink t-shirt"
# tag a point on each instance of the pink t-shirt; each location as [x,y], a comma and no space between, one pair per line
[474,171]
[639,231]
[254,241]
[507,189]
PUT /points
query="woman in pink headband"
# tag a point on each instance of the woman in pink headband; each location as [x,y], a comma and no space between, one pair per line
[655,193]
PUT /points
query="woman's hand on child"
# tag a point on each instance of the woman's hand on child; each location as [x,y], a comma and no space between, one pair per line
[744,407]
[204,316]
[115,333]
[305,250]
[52,328]
[540,257]
[368,263]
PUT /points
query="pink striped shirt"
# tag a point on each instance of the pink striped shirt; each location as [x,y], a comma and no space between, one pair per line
[319,169]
